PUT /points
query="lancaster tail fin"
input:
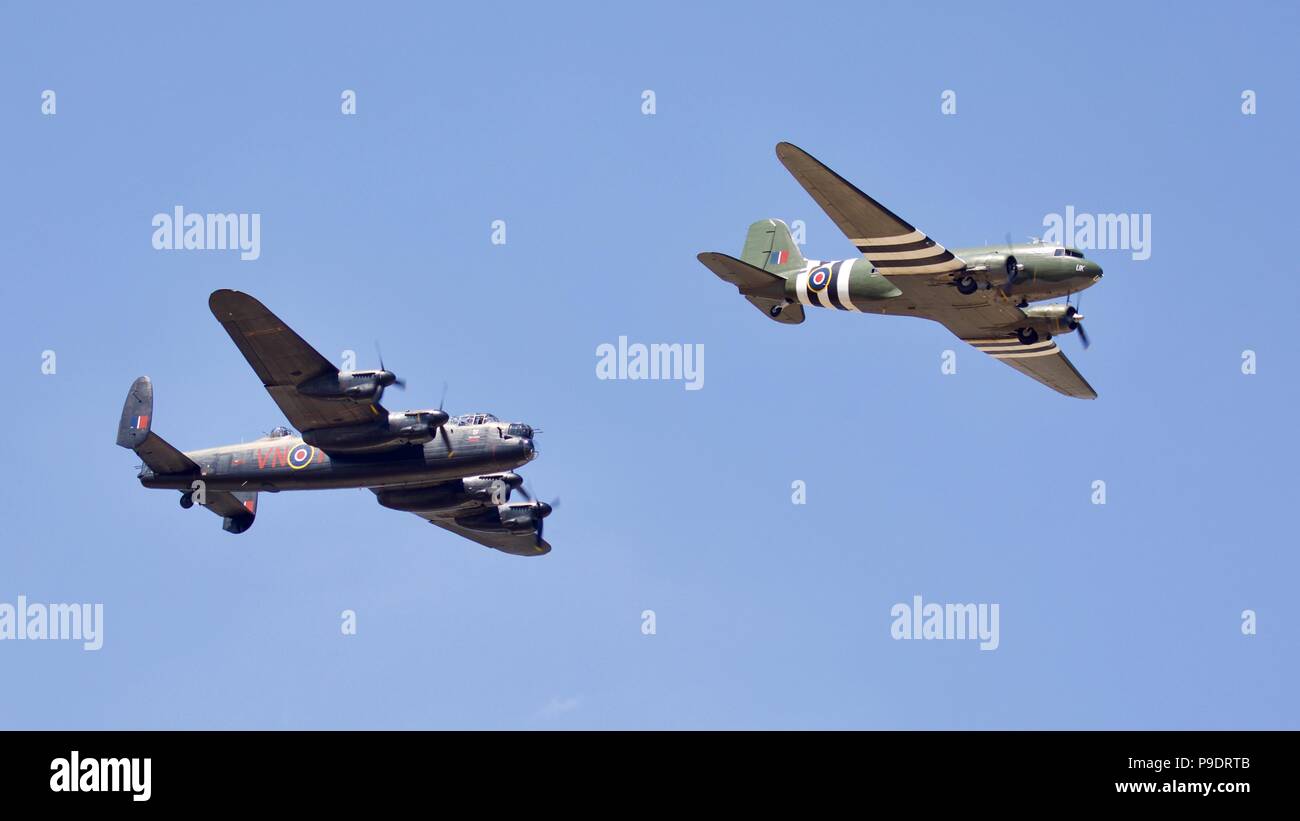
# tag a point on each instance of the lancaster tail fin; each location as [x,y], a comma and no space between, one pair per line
[134,431]
[237,508]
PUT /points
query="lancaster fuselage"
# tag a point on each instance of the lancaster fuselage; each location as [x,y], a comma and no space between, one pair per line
[286,462]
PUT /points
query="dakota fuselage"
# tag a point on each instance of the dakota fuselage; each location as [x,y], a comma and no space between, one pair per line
[1050,271]
[1044,272]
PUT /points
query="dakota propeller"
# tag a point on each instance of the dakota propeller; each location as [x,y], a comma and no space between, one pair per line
[1075,319]
[1012,266]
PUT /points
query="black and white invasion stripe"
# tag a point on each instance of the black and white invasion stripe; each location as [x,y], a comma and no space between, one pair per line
[1012,348]
[911,253]
[836,292]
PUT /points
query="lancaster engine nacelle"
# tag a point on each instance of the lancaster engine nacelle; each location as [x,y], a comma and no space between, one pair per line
[502,517]
[490,490]
[406,428]
[354,386]
[340,387]
[414,427]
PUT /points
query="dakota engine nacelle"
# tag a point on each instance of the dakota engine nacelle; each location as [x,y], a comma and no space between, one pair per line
[1002,270]
[1052,320]
[492,490]
[1015,268]
[407,428]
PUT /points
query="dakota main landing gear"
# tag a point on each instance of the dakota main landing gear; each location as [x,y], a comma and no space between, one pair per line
[1027,336]
[967,285]
[187,499]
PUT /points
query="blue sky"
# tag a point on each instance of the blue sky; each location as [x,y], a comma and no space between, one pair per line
[973,487]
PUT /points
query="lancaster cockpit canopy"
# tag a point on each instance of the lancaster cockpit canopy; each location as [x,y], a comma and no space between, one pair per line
[466,419]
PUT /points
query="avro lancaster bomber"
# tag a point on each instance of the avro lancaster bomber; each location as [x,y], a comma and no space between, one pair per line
[456,472]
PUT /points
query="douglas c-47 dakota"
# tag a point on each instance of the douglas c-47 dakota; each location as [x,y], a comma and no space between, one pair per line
[980,294]
[457,473]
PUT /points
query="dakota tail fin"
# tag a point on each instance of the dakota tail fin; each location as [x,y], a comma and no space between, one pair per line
[134,432]
[769,246]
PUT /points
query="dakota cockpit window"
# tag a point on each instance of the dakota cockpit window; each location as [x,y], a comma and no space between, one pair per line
[1068,252]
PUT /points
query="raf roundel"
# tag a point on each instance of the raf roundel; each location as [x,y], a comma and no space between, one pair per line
[817,279]
[301,456]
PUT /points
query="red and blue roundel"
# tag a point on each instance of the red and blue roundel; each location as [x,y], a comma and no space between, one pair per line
[817,279]
[301,456]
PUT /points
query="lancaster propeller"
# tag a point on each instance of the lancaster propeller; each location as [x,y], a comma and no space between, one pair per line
[442,429]
[538,510]
[387,377]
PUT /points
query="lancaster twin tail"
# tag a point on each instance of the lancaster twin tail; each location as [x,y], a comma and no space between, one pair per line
[980,294]
[456,472]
